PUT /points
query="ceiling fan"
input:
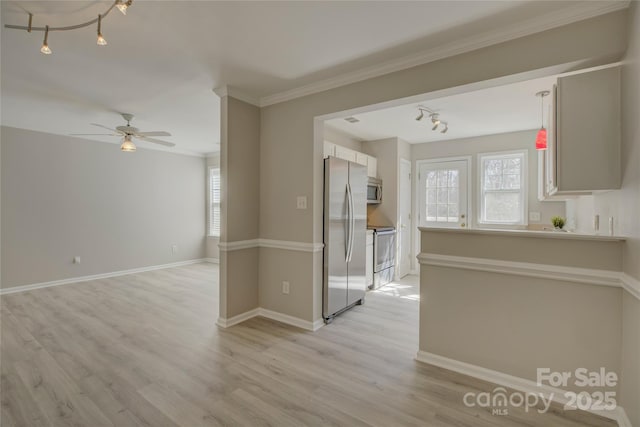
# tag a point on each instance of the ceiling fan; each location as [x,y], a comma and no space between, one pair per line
[128,132]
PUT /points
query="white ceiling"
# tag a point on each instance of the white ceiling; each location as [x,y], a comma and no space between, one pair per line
[165,57]
[501,109]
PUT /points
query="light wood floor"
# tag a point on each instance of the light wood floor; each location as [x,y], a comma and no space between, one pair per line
[143,350]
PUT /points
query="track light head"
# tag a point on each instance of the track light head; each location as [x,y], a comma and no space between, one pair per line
[434,119]
[101,41]
[45,44]
[446,128]
[123,6]
[421,116]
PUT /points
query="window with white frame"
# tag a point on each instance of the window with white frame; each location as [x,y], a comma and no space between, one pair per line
[214,201]
[503,188]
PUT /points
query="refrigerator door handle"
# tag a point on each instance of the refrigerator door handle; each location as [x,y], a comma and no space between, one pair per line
[347,225]
[352,223]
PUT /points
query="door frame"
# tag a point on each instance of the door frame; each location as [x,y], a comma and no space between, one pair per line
[416,210]
[411,217]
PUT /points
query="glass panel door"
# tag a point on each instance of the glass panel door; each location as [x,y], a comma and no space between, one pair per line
[442,192]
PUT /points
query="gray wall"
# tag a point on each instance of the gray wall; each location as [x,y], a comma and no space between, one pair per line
[240,173]
[513,323]
[288,130]
[624,206]
[64,197]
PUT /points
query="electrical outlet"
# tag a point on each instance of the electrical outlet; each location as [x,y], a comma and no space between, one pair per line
[174,249]
[285,288]
[301,202]
[77,260]
[534,216]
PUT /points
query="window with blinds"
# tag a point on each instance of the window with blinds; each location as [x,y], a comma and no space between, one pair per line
[503,188]
[214,202]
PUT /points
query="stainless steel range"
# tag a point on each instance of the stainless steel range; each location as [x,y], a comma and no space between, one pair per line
[384,254]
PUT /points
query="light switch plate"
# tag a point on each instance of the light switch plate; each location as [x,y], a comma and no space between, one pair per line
[301,202]
[534,216]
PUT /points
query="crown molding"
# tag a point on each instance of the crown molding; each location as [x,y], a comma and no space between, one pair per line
[233,92]
[578,12]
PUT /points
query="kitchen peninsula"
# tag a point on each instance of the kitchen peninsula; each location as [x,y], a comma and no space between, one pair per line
[499,304]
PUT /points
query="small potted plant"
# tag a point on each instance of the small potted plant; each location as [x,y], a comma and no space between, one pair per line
[558,222]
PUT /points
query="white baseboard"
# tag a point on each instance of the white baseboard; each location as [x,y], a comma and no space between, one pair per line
[290,320]
[212,260]
[521,384]
[273,315]
[623,419]
[226,323]
[70,280]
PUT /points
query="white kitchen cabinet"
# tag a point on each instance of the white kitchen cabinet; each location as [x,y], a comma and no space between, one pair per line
[345,153]
[372,166]
[329,149]
[361,158]
[369,258]
[584,142]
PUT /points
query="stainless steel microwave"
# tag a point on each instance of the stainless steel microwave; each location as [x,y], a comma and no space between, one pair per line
[374,191]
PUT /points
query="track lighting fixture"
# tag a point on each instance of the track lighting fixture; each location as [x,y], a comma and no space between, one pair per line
[122,6]
[127,144]
[435,119]
[45,44]
[541,137]
[101,41]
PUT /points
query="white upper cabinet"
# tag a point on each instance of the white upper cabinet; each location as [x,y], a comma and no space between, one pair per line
[361,158]
[331,149]
[583,154]
[372,166]
[345,153]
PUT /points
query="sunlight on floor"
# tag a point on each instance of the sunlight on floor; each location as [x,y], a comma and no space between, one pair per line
[406,288]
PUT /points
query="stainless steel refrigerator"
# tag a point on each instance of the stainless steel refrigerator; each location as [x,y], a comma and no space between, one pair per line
[345,225]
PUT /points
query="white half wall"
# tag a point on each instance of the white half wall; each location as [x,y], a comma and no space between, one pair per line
[64,197]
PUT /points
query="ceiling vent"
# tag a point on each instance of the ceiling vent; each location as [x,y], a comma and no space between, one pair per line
[352,119]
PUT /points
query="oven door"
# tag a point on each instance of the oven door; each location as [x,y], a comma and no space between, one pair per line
[384,252]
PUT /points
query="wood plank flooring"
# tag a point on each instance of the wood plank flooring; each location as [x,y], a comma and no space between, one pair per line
[143,350]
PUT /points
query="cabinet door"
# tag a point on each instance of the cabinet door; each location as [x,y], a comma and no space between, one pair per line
[588,131]
[372,166]
[345,153]
[329,149]
[361,158]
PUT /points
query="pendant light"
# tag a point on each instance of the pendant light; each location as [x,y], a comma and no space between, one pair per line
[541,138]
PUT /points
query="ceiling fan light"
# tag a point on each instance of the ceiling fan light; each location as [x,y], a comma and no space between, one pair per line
[128,145]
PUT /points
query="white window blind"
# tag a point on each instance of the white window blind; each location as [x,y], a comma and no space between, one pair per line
[214,202]
[503,192]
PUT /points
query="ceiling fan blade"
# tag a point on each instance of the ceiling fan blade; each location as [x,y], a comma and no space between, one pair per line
[154,133]
[94,134]
[104,127]
[156,141]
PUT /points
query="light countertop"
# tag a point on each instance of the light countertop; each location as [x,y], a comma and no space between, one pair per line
[525,233]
